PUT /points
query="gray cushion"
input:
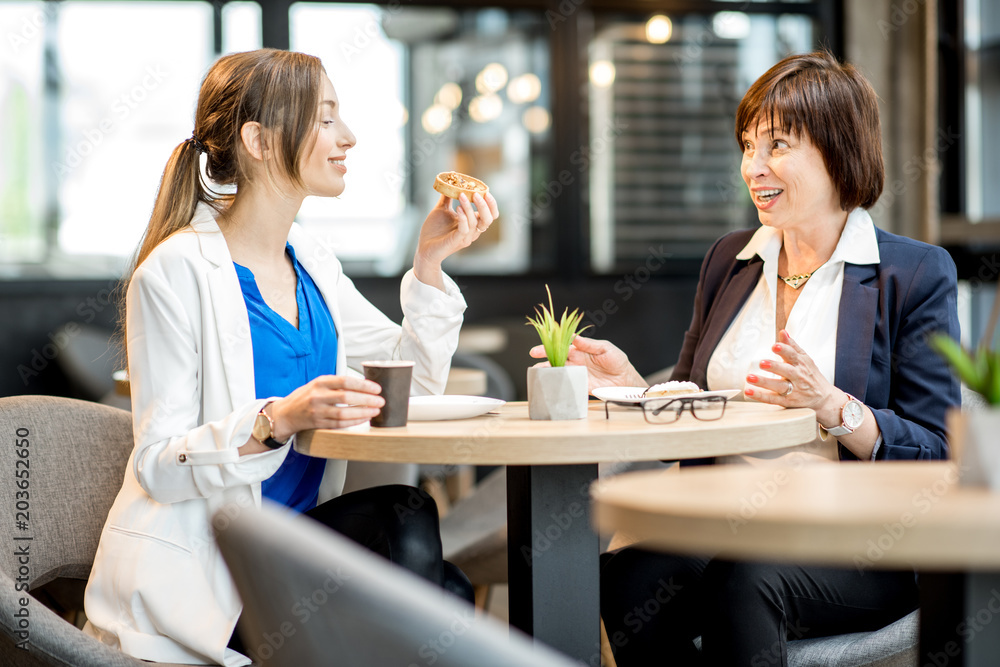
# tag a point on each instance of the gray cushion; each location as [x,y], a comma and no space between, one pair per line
[76,463]
[895,645]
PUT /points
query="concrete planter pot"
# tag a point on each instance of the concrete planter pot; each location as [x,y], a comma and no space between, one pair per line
[557,393]
[973,437]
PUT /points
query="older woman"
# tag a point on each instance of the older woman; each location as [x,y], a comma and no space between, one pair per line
[835,315]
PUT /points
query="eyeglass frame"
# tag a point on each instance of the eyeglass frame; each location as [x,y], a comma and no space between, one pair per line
[687,402]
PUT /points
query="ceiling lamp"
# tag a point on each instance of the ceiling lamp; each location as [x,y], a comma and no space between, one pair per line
[659,28]
[602,73]
[492,78]
[523,89]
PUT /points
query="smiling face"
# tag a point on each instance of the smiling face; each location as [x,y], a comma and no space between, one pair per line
[787,178]
[323,167]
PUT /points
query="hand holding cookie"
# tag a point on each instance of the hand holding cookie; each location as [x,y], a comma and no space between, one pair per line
[447,230]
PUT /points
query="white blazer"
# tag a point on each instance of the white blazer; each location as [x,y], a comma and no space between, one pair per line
[159,589]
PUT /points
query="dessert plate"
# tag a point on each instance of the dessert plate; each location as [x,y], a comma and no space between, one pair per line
[438,408]
[633,395]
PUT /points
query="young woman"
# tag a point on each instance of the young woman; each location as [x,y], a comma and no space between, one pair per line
[239,332]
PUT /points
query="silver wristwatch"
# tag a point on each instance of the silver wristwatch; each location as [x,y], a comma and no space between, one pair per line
[851,416]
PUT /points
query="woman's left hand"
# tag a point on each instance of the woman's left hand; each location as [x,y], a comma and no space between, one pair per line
[447,230]
[800,383]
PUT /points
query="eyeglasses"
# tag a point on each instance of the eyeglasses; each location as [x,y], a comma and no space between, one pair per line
[669,410]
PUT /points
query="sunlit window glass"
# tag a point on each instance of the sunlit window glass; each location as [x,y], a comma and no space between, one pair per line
[128,97]
[240,27]
[427,90]
[370,221]
[22,128]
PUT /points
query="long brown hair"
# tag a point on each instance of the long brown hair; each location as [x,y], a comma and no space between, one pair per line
[278,89]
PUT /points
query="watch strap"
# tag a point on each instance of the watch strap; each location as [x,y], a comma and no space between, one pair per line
[843,428]
[273,444]
[838,430]
[269,441]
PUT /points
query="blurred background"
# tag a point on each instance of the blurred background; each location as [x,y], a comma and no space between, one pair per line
[604,129]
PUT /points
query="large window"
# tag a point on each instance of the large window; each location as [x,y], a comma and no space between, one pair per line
[93,98]
[22,129]
[663,93]
[602,131]
[427,90]
[982,43]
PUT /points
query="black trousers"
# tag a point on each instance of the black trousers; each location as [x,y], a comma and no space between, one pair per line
[654,605]
[399,523]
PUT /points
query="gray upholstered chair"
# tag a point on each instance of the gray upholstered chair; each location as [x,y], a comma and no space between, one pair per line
[314,597]
[75,463]
[895,645]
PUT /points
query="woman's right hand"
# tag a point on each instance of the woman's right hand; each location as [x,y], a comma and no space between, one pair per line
[606,364]
[329,401]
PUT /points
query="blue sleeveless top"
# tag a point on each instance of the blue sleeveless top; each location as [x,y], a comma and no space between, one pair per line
[284,359]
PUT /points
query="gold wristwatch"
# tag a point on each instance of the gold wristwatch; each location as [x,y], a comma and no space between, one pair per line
[263,428]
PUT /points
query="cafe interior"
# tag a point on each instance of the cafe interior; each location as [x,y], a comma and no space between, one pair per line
[604,130]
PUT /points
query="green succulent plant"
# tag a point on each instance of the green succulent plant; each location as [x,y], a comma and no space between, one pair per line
[556,335]
[978,370]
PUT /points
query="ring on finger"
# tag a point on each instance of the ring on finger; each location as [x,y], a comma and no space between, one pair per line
[790,388]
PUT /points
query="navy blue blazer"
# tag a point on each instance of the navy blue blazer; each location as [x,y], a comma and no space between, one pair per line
[887,312]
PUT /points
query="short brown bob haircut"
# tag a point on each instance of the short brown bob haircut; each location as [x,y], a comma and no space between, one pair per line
[836,107]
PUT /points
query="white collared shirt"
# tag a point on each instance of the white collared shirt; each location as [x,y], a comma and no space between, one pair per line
[813,320]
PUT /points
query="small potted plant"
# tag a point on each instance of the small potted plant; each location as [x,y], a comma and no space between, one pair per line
[557,391]
[972,433]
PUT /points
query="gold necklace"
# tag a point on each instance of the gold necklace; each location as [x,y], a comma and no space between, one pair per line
[797,281]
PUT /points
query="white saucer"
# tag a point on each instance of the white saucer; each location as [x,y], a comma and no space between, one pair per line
[436,408]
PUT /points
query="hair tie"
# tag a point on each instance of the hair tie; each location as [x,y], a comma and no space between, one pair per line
[198,145]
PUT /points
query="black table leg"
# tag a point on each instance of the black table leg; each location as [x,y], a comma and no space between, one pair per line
[959,619]
[552,558]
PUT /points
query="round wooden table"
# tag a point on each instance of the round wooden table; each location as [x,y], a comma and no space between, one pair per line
[895,515]
[552,551]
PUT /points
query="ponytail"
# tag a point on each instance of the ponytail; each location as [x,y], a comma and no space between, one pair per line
[180,191]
